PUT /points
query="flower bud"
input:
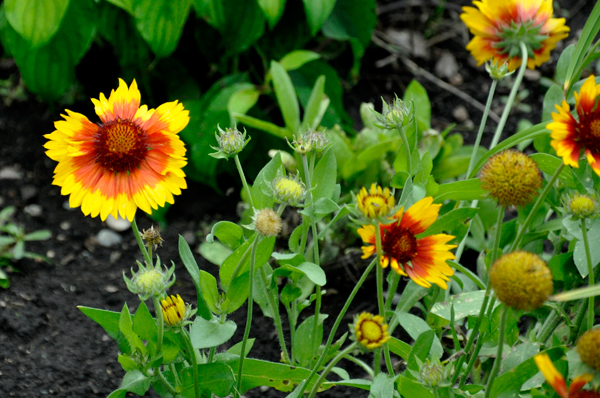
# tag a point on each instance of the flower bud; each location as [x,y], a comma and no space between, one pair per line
[376,202]
[497,69]
[395,116]
[512,178]
[267,222]
[588,347]
[150,281]
[231,141]
[370,331]
[522,280]
[310,141]
[581,205]
[175,311]
[289,190]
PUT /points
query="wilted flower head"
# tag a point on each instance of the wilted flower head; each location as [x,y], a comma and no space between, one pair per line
[231,142]
[588,347]
[395,116]
[310,141]
[500,26]
[512,178]
[267,222]
[522,280]
[581,205]
[152,237]
[376,202]
[289,190]
[370,330]
[150,281]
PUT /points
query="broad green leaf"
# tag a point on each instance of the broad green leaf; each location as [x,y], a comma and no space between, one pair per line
[549,163]
[244,25]
[210,292]
[313,272]
[211,333]
[236,294]
[399,348]
[228,233]
[263,181]
[563,65]
[382,386]
[126,5]
[192,267]
[409,388]
[527,134]
[212,11]
[297,58]
[324,176]
[160,22]
[415,326]
[351,19]
[243,100]
[273,10]
[304,339]
[419,352]
[241,256]
[109,320]
[144,324]
[416,92]
[465,304]
[460,190]
[554,96]
[411,295]
[126,327]
[36,21]
[135,382]
[215,252]
[518,354]
[217,378]
[317,11]
[286,97]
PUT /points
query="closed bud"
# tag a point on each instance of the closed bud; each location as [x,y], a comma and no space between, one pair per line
[231,141]
[395,116]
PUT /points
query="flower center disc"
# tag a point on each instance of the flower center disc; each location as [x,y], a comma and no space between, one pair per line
[400,244]
[120,146]
[375,201]
[371,330]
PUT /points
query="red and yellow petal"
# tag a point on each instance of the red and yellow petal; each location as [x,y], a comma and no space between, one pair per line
[578,383]
[420,216]
[552,376]
[585,100]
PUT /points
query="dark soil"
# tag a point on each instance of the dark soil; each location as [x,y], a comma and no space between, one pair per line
[49,348]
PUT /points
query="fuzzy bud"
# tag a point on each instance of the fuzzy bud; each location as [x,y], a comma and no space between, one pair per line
[231,141]
[395,116]
[150,281]
[289,190]
[581,205]
[267,222]
[497,70]
[588,347]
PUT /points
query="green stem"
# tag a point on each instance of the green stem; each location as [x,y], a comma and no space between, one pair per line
[243,178]
[407,149]
[474,357]
[140,242]
[249,315]
[276,317]
[165,382]
[498,361]
[192,352]
[159,337]
[511,96]
[540,199]
[486,111]
[330,366]
[496,247]
[591,316]
[211,354]
[578,321]
[337,323]
[551,323]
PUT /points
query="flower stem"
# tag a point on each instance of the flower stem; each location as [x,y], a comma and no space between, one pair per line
[190,348]
[337,323]
[330,366]
[243,178]
[498,361]
[591,316]
[511,96]
[535,208]
[249,315]
[276,317]
[407,148]
[159,337]
[143,249]
[486,111]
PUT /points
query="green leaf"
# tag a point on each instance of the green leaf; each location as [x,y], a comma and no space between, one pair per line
[324,176]
[562,66]
[416,92]
[144,324]
[192,267]
[160,22]
[549,163]
[42,234]
[236,294]
[212,11]
[304,339]
[312,271]
[295,59]
[210,292]
[465,304]
[419,352]
[578,294]
[217,378]
[382,386]
[126,327]
[126,5]
[317,11]
[460,190]
[351,19]
[263,254]
[399,348]
[273,10]
[36,21]
[410,388]
[244,25]
[286,97]
[211,333]
[135,382]
[228,233]
[109,320]
[411,295]
[449,221]
[269,127]
[415,326]
[263,182]
[554,96]
[243,100]
[313,112]
[215,252]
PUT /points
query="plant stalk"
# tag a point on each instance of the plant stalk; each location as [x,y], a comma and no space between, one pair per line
[188,344]
[588,256]
[140,242]
[331,364]
[498,361]
[243,178]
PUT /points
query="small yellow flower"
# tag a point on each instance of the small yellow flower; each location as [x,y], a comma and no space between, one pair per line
[377,202]
[557,381]
[500,26]
[581,205]
[512,178]
[522,280]
[588,347]
[267,222]
[173,309]
[371,331]
[288,190]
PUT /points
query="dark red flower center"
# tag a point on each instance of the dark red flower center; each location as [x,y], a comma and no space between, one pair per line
[120,145]
[399,243]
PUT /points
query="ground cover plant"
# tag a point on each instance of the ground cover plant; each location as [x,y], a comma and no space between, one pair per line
[519,322]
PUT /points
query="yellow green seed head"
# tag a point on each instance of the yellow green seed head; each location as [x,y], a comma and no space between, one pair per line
[521,280]
[289,190]
[588,347]
[512,178]
[267,222]
[581,205]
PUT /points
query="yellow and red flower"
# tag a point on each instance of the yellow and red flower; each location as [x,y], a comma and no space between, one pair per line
[133,158]
[422,259]
[500,26]
[557,381]
[570,136]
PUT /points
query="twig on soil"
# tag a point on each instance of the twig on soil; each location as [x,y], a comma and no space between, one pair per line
[416,3]
[417,70]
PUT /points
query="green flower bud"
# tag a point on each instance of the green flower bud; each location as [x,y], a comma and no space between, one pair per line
[150,281]
[231,142]
[395,116]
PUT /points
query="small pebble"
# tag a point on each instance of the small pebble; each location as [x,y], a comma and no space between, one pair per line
[114,257]
[117,224]
[108,238]
[33,210]
[460,113]
[111,288]
[28,192]
[66,206]
[10,173]
[190,237]
[65,225]
[50,254]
